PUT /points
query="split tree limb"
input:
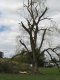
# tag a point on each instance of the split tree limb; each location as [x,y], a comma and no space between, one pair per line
[25,27]
[24,45]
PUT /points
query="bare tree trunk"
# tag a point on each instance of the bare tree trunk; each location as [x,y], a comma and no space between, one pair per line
[34,62]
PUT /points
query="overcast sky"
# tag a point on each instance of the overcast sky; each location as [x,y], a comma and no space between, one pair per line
[9,19]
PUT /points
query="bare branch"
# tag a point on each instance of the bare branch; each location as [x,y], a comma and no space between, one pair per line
[28,3]
[29,24]
[54,61]
[36,13]
[52,49]
[24,45]
[28,9]
[25,28]
[31,12]
[45,18]
[42,39]
[48,49]
[42,15]
[44,29]
[49,54]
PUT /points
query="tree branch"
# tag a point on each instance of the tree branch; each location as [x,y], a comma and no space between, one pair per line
[44,29]
[54,61]
[42,15]
[29,24]
[49,54]
[24,45]
[45,18]
[42,39]
[25,28]
[36,13]
[31,12]
[27,9]
[52,49]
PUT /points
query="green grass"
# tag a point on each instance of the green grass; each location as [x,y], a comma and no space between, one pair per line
[46,74]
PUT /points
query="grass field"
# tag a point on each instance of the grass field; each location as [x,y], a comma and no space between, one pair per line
[46,74]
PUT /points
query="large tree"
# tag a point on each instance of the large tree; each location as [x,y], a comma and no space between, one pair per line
[36,14]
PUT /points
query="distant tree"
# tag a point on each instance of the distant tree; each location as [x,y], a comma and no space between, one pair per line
[1,54]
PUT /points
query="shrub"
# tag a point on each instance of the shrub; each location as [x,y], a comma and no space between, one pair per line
[11,66]
[7,66]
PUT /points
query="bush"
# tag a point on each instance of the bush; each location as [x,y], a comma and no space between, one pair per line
[11,66]
[7,66]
